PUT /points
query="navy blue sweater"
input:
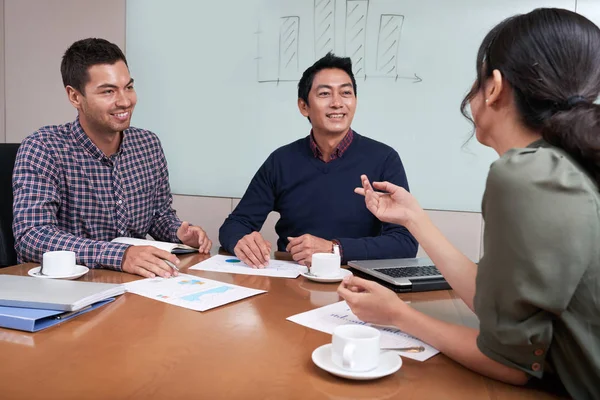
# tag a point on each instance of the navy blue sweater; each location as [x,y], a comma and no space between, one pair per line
[318,198]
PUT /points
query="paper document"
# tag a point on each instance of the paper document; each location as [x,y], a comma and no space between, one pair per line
[233,265]
[325,319]
[175,248]
[190,291]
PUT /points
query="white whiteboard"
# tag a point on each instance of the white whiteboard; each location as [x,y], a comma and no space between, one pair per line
[217,81]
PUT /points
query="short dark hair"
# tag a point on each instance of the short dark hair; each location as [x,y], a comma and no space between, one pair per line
[83,54]
[329,61]
[550,58]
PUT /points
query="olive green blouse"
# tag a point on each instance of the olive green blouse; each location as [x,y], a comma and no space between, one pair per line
[538,283]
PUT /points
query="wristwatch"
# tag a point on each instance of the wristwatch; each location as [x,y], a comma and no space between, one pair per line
[336,249]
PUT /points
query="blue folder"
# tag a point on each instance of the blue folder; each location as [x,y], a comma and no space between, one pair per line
[35,319]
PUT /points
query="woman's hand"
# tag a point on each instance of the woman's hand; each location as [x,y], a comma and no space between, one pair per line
[371,302]
[394,205]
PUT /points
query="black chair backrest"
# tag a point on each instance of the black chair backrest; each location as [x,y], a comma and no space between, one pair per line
[8,153]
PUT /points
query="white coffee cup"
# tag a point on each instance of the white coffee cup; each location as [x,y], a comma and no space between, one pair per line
[355,347]
[58,263]
[325,265]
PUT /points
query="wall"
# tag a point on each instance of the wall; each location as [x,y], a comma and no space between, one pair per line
[33,36]
[36,35]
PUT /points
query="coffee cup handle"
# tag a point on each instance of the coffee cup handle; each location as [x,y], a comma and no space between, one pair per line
[347,356]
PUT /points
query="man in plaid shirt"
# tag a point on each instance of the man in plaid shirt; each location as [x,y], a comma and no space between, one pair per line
[79,185]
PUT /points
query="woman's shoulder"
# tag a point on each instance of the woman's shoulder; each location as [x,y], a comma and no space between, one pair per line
[540,169]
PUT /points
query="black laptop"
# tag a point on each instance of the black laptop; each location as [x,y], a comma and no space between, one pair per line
[402,274]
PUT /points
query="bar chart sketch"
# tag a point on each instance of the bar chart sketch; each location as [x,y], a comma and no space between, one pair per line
[324,24]
[289,37]
[372,39]
[388,40]
[357,12]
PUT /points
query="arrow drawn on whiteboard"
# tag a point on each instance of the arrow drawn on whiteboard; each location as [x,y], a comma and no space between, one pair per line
[415,78]
[278,81]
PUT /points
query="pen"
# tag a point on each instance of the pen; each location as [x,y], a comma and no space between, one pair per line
[68,314]
[170,264]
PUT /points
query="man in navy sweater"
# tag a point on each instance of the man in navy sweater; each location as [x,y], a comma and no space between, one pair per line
[310,183]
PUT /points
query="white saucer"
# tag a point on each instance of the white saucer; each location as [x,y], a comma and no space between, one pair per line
[389,362]
[343,273]
[80,270]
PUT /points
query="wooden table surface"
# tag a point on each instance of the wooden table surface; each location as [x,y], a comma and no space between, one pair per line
[138,348]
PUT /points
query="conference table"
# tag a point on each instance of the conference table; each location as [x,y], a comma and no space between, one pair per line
[139,348]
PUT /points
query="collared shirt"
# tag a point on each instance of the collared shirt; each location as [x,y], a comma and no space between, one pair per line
[537,288]
[68,195]
[337,152]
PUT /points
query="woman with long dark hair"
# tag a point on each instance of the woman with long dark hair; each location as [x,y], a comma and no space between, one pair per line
[536,290]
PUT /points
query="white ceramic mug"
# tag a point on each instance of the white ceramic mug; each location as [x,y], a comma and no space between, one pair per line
[58,263]
[325,265]
[355,347]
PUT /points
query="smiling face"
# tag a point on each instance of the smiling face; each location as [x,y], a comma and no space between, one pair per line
[108,100]
[331,102]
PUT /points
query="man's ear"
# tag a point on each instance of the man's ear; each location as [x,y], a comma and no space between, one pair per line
[75,96]
[303,107]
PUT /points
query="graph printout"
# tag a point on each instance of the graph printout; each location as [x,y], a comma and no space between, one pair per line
[233,265]
[190,291]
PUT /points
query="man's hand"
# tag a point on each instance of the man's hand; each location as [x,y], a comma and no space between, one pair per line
[194,236]
[149,262]
[253,250]
[303,247]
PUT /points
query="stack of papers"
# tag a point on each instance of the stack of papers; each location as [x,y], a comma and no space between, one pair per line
[232,265]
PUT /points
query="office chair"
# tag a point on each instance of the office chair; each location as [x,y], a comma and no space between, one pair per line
[8,153]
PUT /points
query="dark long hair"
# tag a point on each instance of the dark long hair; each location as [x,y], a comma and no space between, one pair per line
[551,59]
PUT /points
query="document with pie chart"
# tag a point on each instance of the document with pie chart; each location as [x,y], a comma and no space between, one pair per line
[233,265]
[190,291]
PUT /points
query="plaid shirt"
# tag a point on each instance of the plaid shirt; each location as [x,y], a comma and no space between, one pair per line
[68,195]
[339,150]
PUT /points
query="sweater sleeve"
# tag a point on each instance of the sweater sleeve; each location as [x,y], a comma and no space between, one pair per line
[253,209]
[394,241]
